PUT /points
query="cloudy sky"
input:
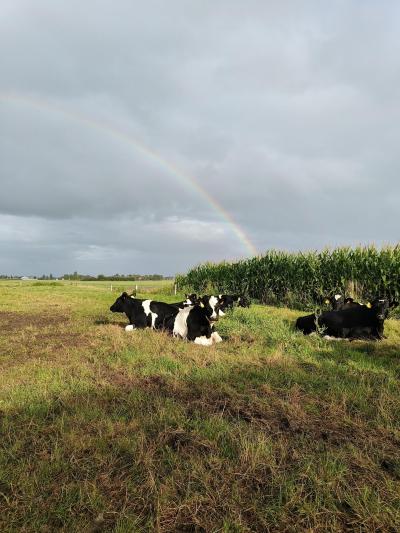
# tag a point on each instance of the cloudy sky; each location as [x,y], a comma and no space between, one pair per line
[151,136]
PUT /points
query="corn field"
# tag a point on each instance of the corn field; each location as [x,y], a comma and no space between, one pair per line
[302,279]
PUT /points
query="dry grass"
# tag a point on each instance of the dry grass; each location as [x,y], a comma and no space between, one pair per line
[103,430]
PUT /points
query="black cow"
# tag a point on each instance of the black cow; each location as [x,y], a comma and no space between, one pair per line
[307,323]
[356,322]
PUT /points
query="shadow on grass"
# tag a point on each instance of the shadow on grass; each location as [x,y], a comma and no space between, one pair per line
[154,451]
[103,320]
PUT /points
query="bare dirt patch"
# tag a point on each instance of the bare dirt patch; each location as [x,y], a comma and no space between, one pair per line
[118,379]
[11,321]
[37,336]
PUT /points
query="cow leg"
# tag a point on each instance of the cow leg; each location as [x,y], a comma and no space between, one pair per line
[141,321]
[363,334]
[203,341]
[216,337]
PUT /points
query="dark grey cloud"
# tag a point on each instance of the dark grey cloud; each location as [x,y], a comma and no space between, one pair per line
[39,245]
[286,113]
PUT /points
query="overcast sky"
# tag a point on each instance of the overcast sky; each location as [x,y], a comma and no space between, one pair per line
[286,113]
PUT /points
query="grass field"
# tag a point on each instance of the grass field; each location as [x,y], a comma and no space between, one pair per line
[103,430]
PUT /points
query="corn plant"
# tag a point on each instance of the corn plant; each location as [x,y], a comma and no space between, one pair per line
[303,278]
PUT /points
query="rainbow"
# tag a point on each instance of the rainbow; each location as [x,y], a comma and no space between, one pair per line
[185,178]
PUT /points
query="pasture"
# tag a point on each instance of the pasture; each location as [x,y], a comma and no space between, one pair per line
[104,430]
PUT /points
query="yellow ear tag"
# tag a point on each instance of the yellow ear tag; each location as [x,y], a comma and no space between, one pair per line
[201,304]
[369,305]
[327,301]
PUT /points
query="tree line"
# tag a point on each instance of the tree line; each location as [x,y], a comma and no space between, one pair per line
[100,277]
[116,277]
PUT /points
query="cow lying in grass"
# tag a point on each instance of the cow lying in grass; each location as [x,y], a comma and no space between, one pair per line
[142,313]
[307,324]
[192,323]
[229,300]
[355,321]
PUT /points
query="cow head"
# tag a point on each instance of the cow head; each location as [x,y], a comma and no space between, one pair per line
[226,302]
[120,303]
[382,306]
[192,299]
[336,301]
[211,305]
[243,301]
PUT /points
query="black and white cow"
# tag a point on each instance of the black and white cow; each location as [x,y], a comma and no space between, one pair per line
[143,313]
[190,323]
[229,300]
[193,323]
[355,322]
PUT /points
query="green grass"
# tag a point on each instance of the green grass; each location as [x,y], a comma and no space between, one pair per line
[146,286]
[103,430]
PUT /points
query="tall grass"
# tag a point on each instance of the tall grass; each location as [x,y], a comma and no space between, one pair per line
[302,279]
